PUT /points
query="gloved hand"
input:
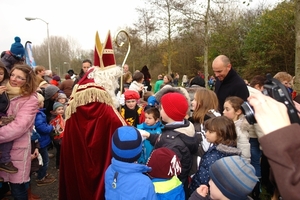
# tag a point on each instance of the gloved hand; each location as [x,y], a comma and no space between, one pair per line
[121,98]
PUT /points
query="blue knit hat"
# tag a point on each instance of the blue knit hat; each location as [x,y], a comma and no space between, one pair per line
[234,177]
[17,48]
[126,144]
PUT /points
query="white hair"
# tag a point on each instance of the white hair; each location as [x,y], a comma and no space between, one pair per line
[108,79]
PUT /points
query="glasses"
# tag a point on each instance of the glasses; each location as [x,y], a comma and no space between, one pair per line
[19,78]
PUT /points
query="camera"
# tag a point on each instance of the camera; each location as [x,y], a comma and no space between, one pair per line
[277,91]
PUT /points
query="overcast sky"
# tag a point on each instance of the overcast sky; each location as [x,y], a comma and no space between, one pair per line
[67,18]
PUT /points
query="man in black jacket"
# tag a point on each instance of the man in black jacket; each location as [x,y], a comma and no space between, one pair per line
[228,82]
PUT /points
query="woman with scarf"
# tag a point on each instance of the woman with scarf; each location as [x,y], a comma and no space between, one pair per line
[21,90]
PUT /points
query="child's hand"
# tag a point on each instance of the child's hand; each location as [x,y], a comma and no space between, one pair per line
[144,134]
[2,89]
[35,154]
[202,190]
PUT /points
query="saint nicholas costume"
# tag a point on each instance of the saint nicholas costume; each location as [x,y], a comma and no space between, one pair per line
[91,119]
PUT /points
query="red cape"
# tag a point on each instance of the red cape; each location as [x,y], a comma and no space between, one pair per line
[86,150]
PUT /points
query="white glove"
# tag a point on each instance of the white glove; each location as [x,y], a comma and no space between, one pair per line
[121,98]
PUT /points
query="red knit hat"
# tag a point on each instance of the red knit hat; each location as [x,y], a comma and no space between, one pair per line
[164,163]
[175,105]
[131,94]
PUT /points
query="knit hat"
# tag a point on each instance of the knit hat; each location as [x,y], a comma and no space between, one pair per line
[56,105]
[17,48]
[197,80]
[175,105]
[131,94]
[164,163]
[152,101]
[62,96]
[126,144]
[57,78]
[50,91]
[234,177]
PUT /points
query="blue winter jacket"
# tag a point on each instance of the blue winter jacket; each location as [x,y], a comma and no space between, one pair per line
[130,182]
[147,147]
[43,128]
[169,189]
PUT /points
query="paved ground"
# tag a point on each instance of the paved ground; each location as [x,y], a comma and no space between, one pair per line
[48,192]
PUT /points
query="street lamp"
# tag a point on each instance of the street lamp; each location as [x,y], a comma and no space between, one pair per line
[66,63]
[49,55]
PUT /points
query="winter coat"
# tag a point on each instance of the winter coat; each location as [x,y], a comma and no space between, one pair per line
[147,147]
[232,85]
[8,60]
[242,127]
[169,188]
[67,86]
[213,154]
[181,139]
[43,128]
[19,131]
[282,150]
[130,182]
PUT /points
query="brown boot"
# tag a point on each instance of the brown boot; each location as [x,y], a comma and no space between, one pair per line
[32,196]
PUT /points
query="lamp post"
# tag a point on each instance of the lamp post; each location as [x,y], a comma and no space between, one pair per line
[49,55]
[67,63]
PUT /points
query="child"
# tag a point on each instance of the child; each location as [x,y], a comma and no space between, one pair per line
[166,166]
[178,133]
[124,178]
[131,112]
[205,105]
[5,161]
[220,131]
[152,125]
[59,125]
[44,130]
[62,98]
[231,177]
[232,110]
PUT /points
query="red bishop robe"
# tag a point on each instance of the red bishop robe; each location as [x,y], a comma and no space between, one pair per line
[86,146]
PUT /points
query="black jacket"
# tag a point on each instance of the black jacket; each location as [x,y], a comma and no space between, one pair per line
[232,85]
[181,139]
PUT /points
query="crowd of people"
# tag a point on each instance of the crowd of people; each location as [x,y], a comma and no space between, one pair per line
[121,138]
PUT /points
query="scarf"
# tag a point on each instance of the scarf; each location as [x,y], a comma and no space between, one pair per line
[131,116]
[12,91]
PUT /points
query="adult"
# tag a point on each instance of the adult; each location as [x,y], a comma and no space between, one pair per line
[168,80]
[67,85]
[158,83]
[39,71]
[21,89]
[72,74]
[147,78]
[176,79]
[280,143]
[13,56]
[86,146]
[228,82]
[258,161]
[48,75]
[86,64]
[126,69]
